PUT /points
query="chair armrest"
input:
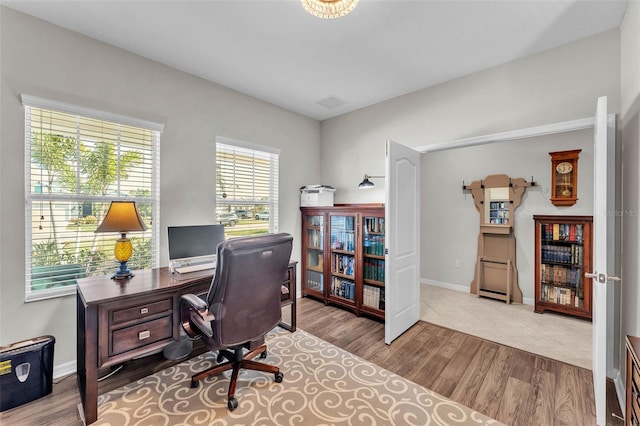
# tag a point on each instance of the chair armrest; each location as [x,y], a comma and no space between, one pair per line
[193,300]
[194,310]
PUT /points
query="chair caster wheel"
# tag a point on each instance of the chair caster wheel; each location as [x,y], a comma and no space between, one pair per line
[232,404]
[219,358]
[279,377]
[263,354]
[194,384]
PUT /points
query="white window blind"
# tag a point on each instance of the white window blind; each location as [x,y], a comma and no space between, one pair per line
[246,187]
[77,162]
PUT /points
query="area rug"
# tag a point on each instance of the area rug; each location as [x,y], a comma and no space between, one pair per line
[323,385]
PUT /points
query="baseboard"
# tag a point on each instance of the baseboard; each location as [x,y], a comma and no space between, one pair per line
[65,369]
[621,392]
[455,287]
[463,288]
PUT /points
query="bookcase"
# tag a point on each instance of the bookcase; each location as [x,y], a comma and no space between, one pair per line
[563,247]
[632,401]
[343,256]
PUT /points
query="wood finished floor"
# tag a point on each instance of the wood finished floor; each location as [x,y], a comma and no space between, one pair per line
[510,385]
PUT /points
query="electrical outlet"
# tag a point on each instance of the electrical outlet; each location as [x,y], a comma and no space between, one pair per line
[457,263]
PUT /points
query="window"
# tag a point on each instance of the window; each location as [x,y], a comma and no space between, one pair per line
[77,162]
[246,188]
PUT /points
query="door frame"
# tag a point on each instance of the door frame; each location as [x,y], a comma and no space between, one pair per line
[613,366]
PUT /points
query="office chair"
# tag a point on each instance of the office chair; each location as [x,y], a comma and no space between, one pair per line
[242,306]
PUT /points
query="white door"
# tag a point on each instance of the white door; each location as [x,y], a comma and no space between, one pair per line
[603,250]
[402,260]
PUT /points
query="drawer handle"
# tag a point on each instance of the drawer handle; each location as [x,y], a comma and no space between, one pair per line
[144,311]
[144,335]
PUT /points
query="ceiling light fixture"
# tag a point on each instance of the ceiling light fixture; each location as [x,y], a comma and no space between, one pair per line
[329,9]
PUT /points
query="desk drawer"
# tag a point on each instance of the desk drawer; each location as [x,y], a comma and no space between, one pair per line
[140,335]
[140,311]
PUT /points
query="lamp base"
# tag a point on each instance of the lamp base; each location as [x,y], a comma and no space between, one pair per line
[123,273]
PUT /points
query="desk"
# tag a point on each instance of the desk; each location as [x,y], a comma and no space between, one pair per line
[121,320]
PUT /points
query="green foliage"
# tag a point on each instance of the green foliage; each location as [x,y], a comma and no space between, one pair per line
[93,261]
[141,257]
[44,254]
[56,156]
[65,161]
[102,167]
[143,208]
[87,220]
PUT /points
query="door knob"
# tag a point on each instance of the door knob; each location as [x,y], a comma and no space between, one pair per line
[601,278]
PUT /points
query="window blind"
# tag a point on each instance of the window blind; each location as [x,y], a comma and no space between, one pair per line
[246,187]
[76,164]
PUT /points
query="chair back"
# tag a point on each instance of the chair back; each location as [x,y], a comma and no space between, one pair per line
[245,292]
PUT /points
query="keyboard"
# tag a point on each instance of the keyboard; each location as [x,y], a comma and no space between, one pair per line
[195,268]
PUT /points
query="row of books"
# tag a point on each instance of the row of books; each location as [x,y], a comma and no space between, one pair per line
[343,223]
[573,232]
[374,224]
[499,214]
[373,269]
[561,296]
[343,264]
[316,238]
[314,280]
[561,275]
[343,288]
[343,241]
[374,245]
[571,254]
[373,297]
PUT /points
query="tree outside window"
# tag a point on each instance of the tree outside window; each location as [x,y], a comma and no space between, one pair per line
[77,166]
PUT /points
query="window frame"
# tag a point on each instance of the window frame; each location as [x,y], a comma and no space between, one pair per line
[29,102]
[274,179]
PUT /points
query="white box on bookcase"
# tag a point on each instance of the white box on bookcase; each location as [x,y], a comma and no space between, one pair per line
[316,196]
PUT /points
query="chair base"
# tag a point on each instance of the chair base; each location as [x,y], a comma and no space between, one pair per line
[237,361]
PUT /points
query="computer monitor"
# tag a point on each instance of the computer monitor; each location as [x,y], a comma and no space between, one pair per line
[188,242]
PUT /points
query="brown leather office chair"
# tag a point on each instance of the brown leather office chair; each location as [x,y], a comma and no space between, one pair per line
[242,306]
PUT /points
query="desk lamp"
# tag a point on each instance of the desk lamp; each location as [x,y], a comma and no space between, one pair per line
[122,217]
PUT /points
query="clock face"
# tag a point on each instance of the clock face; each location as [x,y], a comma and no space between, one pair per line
[564,167]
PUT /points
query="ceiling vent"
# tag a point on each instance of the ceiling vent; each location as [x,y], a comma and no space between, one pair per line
[332,102]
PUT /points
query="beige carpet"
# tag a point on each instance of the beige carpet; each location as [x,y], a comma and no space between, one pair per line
[323,385]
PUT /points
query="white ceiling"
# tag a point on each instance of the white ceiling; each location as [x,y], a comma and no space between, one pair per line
[275,51]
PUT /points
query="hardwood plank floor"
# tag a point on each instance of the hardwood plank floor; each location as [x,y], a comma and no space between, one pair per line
[513,386]
[516,387]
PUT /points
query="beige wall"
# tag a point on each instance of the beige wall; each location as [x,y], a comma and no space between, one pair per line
[553,86]
[43,60]
[629,121]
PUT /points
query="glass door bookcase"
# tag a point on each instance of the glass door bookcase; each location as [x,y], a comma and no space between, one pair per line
[373,265]
[343,256]
[342,228]
[562,256]
[313,240]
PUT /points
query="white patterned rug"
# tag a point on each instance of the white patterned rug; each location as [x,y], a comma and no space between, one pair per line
[323,385]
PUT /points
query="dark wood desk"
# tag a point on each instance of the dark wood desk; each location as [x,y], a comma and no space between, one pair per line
[121,320]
